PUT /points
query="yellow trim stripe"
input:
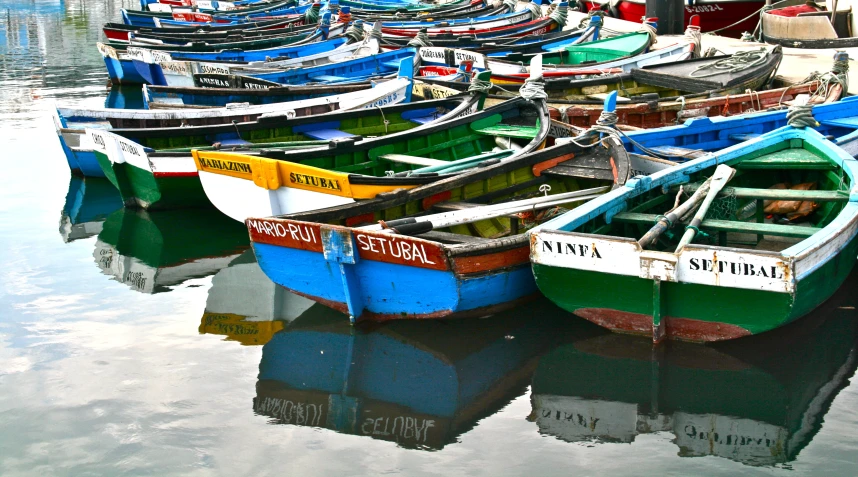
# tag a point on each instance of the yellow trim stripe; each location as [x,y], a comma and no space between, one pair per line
[271,174]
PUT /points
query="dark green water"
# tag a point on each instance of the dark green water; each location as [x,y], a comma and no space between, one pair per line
[152,344]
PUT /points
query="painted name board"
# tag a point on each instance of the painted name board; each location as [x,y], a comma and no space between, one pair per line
[314,181]
[694,264]
[380,247]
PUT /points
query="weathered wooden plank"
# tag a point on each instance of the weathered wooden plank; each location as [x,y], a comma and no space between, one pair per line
[788,159]
[729,225]
[447,237]
[567,170]
[781,194]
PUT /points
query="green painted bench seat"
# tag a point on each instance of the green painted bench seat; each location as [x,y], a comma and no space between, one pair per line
[728,226]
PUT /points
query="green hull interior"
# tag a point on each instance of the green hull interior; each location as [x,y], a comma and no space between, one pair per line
[601,51]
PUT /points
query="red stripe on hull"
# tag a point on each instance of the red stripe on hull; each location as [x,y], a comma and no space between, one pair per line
[685,329]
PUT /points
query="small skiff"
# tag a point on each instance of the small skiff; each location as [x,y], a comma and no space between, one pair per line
[773,242]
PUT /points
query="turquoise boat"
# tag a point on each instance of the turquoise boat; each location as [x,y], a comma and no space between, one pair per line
[776,242]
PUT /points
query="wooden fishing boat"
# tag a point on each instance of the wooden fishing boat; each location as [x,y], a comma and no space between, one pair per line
[245,306]
[154,19]
[511,73]
[169,179]
[282,181]
[538,25]
[728,17]
[77,146]
[697,135]
[153,251]
[671,111]
[240,89]
[475,257]
[445,376]
[122,31]
[494,46]
[593,53]
[765,401]
[750,275]
[170,71]
[89,201]
[349,71]
[811,26]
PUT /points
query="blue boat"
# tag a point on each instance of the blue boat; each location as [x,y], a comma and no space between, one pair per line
[88,203]
[149,64]
[157,19]
[120,67]
[418,384]
[680,143]
[352,71]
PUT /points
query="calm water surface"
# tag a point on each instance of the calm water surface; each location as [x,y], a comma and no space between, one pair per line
[140,343]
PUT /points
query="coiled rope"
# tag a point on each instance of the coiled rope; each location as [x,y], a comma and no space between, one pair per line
[692,33]
[479,86]
[592,13]
[376,32]
[559,14]
[535,10]
[311,16]
[801,116]
[738,61]
[533,89]
[355,32]
[421,39]
[651,31]
[510,5]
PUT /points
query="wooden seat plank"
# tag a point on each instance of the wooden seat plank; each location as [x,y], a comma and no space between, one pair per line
[447,237]
[506,130]
[788,159]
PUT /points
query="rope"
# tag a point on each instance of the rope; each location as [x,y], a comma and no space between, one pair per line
[421,39]
[692,33]
[558,14]
[355,32]
[592,13]
[651,31]
[738,61]
[479,86]
[535,10]
[376,32]
[311,16]
[533,89]
[510,5]
[681,99]
[607,119]
[801,116]
[747,36]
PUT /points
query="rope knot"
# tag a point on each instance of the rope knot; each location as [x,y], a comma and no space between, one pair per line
[800,116]
[355,32]
[421,39]
[533,89]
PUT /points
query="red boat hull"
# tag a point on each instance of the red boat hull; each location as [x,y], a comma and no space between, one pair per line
[713,15]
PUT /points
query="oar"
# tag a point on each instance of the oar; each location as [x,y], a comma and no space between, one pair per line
[665,222]
[723,174]
[446,219]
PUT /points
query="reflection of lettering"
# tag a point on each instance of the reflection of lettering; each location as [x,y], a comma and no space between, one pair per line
[401,427]
[136,280]
[394,248]
[314,181]
[735,268]
[570,417]
[289,412]
[729,439]
[299,233]
[225,165]
[577,249]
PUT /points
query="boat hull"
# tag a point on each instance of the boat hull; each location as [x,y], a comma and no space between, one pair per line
[693,312]
[714,15]
[392,291]
[144,189]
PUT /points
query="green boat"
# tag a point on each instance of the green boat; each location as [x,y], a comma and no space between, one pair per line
[758,401]
[153,251]
[761,251]
[594,52]
[153,167]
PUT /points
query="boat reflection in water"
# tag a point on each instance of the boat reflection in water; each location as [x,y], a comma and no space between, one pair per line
[245,306]
[757,400]
[151,251]
[88,203]
[418,383]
